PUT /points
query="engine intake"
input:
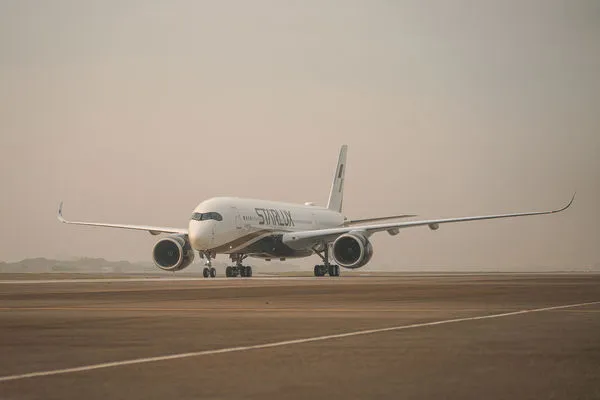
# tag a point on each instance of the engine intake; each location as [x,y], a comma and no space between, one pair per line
[173,253]
[352,250]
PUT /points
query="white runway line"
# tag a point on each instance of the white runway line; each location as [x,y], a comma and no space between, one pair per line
[109,280]
[279,344]
[94,280]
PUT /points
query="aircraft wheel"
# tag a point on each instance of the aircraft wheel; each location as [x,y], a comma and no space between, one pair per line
[242,271]
[205,272]
[228,272]
[213,273]
[249,271]
[331,270]
[319,270]
[336,270]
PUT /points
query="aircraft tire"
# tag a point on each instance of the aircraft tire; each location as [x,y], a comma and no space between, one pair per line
[242,271]
[335,270]
[205,272]
[228,272]
[320,270]
[213,273]
[248,271]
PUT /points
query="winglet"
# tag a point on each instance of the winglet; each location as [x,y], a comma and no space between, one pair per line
[60,216]
[567,206]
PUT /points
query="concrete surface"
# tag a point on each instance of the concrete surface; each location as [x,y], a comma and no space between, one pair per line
[49,325]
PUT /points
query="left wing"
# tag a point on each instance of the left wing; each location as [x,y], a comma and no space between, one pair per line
[154,230]
[305,239]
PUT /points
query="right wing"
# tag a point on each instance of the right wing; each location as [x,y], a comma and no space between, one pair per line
[154,230]
[307,239]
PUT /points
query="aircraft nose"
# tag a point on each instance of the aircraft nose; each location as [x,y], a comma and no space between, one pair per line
[200,234]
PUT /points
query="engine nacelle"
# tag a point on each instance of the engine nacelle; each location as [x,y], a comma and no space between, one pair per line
[173,253]
[352,250]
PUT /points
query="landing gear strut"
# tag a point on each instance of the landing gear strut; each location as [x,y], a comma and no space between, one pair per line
[326,267]
[238,269]
[208,271]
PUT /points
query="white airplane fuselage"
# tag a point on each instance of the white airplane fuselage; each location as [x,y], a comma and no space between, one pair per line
[249,226]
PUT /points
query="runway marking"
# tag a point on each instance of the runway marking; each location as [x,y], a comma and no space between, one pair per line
[244,309]
[189,279]
[279,344]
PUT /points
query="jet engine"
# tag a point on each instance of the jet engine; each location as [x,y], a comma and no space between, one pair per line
[352,250]
[173,253]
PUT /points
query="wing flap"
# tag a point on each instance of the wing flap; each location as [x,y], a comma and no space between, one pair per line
[364,221]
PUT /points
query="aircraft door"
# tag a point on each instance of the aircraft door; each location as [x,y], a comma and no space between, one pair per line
[238,218]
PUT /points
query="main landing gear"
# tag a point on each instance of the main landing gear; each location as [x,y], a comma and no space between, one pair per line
[208,271]
[322,270]
[326,267]
[238,269]
[244,271]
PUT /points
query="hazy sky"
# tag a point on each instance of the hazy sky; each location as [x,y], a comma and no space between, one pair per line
[135,111]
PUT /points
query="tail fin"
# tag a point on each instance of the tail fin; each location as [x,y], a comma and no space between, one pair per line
[336,196]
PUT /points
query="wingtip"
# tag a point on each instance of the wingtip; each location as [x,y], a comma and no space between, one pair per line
[572,198]
[569,204]
[59,215]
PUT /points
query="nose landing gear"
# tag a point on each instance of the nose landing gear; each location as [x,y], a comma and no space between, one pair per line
[208,271]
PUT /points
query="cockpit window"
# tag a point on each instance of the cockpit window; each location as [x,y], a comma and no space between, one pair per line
[206,216]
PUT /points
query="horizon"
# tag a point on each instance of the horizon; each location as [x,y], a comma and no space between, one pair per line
[277,266]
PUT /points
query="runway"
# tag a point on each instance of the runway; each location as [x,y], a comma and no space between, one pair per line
[463,336]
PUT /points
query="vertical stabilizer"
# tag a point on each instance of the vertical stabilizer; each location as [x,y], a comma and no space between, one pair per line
[336,196]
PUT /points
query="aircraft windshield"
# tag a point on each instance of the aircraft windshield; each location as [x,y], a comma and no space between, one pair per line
[206,216]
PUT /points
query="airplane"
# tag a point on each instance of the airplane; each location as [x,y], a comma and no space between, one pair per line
[241,228]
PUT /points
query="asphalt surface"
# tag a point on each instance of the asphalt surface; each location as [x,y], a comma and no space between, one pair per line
[450,337]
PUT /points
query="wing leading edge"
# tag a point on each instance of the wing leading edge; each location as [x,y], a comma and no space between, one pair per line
[307,238]
[154,230]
